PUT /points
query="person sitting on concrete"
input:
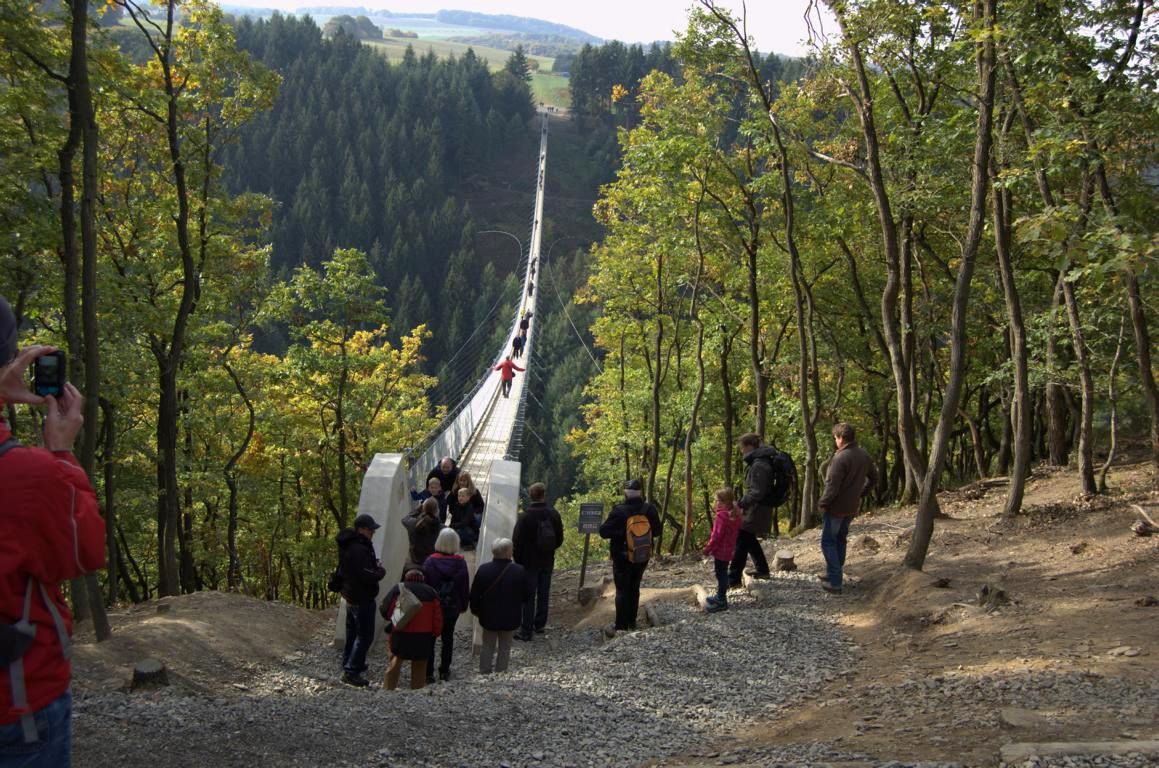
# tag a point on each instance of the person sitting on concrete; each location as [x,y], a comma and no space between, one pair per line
[497,601]
[414,642]
[478,505]
[446,573]
[461,513]
[434,490]
[538,534]
[422,528]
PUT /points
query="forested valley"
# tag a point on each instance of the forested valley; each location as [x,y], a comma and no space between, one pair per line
[271,255]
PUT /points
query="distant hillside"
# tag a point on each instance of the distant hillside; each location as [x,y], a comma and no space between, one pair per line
[514,24]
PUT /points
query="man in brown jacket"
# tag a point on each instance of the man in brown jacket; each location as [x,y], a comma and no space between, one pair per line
[851,475]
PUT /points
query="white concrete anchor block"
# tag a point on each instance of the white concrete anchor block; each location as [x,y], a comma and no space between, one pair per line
[499,519]
[385,496]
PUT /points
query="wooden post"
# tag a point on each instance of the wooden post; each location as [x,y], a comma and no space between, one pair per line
[584,564]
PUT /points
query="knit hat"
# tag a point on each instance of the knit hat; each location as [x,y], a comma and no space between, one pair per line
[414,575]
[7,332]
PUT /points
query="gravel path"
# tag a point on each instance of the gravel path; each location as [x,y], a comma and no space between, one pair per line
[571,698]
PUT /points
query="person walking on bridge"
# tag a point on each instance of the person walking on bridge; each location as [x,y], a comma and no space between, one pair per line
[507,371]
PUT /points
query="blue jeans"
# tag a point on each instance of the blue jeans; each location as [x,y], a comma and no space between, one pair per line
[359,635]
[53,750]
[535,607]
[834,534]
[721,569]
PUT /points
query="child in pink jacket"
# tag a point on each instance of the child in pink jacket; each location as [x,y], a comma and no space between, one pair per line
[721,545]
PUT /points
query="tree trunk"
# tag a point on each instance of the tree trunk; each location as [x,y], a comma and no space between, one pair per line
[1020,411]
[985,11]
[1057,413]
[1087,388]
[1113,400]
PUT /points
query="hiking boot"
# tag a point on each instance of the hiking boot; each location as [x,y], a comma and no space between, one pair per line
[760,575]
[831,589]
[523,636]
[540,630]
[430,679]
[716,607]
[444,675]
[354,679]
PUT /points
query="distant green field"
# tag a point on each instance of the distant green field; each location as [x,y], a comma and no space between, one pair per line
[550,89]
[393,48]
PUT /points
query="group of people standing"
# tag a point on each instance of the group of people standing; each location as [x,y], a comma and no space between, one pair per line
[509,594]
[738,526]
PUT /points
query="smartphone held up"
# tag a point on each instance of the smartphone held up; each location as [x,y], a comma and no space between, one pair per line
[48,374]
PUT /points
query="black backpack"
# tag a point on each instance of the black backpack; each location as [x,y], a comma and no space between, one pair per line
[334,584]
[784,478]
[545,536]
[447,597]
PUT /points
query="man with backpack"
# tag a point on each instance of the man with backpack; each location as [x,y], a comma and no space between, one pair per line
[361,570]
[767,485]
[538,533]
[631,528]
[50,531]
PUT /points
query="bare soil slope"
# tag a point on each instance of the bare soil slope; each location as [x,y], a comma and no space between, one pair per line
[1066,652]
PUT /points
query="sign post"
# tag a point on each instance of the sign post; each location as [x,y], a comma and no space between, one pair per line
[590,516]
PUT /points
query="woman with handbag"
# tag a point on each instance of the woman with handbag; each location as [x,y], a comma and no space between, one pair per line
[414,619]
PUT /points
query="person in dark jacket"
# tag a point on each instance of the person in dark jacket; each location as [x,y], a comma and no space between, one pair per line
[497,597]
[851,475]
[446,470]
[361,571]
[628,575]
[538,562]
[757,516]
[414,642]
[422,528]
[446,573]
[478,504]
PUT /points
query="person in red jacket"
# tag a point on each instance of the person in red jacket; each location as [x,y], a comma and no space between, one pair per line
[507,371]
[50,531]
[415,641]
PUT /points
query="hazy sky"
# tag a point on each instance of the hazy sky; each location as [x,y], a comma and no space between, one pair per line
[777,25]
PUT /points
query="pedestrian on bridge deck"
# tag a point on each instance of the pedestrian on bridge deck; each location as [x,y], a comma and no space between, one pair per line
[461,518]
[517,346]
[507,371]
[434,490]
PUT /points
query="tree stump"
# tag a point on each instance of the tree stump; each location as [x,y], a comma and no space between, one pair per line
[148,674]
[783,560]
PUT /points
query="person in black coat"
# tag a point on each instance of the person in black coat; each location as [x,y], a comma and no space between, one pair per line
[361,571]
[628,575]
[422,528]
[447,471]
[538,561]
[497,596]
